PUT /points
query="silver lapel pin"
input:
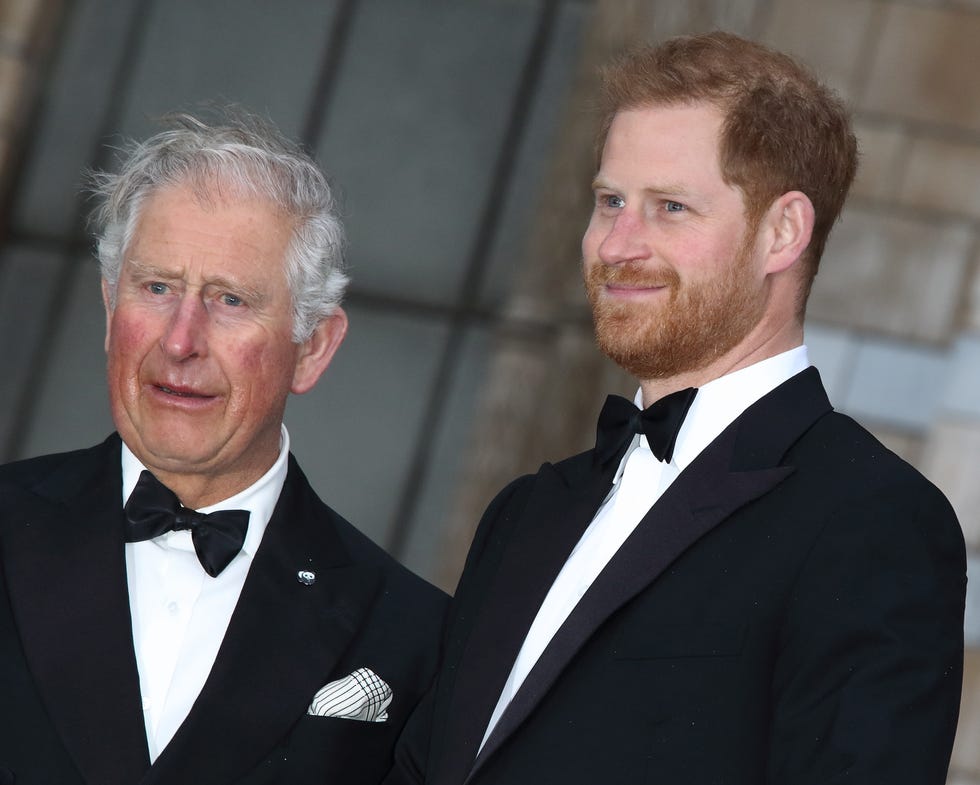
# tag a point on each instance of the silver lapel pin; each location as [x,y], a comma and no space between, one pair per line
[306,577]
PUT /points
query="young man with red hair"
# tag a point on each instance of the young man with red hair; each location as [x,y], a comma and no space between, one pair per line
[737,585]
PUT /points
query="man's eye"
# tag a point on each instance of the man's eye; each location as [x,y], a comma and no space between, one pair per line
[232,300]
[613,201]
[674,207]
[157,288]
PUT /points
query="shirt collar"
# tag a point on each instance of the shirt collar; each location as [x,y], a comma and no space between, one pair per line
[259,498]
[720,401]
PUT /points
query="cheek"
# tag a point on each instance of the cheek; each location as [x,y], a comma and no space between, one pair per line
[129,339]
[263,368]
[699,261]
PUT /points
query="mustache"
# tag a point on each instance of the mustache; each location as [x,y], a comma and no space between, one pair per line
[631,275]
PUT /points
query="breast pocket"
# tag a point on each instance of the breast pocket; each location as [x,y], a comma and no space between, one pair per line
[330,749]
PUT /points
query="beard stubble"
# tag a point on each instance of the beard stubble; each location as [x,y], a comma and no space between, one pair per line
[694,325]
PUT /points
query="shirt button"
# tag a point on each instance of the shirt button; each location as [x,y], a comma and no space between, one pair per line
[173,607]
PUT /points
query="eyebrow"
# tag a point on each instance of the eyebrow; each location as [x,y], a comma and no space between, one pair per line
[149,270]
[672,189]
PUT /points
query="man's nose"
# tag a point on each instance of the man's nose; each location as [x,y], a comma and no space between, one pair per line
[186,335]
[626,240]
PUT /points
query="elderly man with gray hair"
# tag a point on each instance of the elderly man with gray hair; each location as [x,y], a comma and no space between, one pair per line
[176,604]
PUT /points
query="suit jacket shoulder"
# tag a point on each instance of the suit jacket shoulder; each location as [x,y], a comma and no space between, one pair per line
[846,475]
[64,474]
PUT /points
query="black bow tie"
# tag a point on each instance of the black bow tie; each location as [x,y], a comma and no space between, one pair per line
[660,422]
[153,509]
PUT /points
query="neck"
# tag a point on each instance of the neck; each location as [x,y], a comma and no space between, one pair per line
[759,345]
[196,492]
[209,479]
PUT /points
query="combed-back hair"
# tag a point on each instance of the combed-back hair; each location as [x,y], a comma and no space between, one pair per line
[237,154]
[783,130]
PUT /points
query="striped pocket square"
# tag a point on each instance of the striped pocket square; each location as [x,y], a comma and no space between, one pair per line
[363,695]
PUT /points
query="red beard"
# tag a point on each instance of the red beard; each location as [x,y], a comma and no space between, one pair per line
[691,326]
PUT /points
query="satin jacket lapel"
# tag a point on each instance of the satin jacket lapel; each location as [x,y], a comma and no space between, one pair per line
[739,466]
[560,507]
[65,565]
[282,643]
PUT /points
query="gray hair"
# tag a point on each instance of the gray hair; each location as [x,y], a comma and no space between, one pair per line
[251,158]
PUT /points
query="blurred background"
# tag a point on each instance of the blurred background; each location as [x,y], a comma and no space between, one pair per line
[458,135]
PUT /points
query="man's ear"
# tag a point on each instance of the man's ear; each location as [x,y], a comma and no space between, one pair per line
[107,302]
[318,350]
[790,224]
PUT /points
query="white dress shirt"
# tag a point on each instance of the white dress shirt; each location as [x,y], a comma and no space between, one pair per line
[180,613]
[639,482]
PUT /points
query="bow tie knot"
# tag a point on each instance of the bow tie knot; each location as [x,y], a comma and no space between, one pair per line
[186,519]
[660,422]
[153,509]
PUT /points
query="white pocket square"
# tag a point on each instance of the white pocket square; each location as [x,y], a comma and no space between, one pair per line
[361,696]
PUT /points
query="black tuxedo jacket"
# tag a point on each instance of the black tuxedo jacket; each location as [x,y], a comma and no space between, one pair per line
[789,612]
[70,708]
